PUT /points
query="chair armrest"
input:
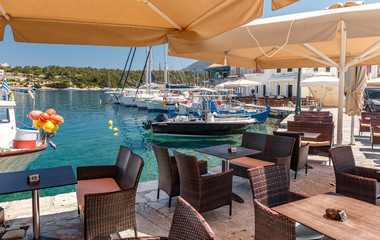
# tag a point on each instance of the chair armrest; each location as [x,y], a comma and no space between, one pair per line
[368,172]
[356,186]
[303,154]
[93,172]
[216,184]
[284,160]
[202,165]
[172,158]
[146,238]
[296,196]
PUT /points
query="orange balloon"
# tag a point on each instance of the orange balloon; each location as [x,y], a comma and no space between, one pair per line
[34,115]
[51,111]
[44,117]
[56,119]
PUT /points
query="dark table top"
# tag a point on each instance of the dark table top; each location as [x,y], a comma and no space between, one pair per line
[222,151]
[305,134]
[13,182]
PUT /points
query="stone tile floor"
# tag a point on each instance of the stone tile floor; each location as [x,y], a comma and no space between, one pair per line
[59,217]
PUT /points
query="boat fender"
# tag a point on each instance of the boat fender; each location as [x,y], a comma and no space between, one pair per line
[161,118]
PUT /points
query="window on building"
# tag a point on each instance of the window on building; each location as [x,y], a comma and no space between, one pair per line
[257,90]
[278,91]
[278,70]
[290,70]
[315,69]
[328,69]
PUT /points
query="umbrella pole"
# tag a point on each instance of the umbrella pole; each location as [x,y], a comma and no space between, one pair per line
[342,70]
[298,105]
[352,139]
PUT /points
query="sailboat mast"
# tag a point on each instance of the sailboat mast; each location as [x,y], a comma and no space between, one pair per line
[166,65]
[147,70]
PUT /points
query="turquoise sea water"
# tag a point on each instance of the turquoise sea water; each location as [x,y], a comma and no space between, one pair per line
[85,138]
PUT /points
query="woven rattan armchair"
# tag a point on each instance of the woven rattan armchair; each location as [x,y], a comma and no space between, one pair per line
[300,152]
[357,182]
[270,188]
[375,131]
[168,176]
[106,195]
[204,193]
[187,224]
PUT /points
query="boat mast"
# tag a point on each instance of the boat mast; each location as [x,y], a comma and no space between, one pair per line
[166,65]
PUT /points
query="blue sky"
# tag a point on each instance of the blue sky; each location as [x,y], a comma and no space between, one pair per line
[114,57]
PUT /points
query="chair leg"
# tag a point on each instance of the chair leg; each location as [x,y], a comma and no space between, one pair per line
[295,174]
[78,210]
[135,231]
[306,169]
[158,193]
[230,208]
[170,201]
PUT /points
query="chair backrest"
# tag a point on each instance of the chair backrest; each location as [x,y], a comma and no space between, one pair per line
[375,125]
[270,184]
[189,224]
[163,161]
[343,159]
[316,113]
[325,129]
[278,146]
[313,118]
[128,168]
[254,140]
[189,177]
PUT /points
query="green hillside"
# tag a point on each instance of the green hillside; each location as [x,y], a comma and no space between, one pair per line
[198,66]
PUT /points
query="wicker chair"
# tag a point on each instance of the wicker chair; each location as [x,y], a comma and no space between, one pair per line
[204,193]
[168,177]
[375,131]
[357,182]
[187,224]
[106,195]
[270,188]
[300,152]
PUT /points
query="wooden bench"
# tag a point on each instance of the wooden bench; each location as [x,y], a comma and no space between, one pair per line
[365,121]
[321,145]
[313,118]
[274,149]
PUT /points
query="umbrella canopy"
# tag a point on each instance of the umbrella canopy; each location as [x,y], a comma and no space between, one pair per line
[125,22]
[324,89]
[373,82]
[340,38]
[241,83]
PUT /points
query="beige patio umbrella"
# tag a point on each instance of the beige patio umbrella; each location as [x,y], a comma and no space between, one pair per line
[339,38]
[133,23]
[355,82]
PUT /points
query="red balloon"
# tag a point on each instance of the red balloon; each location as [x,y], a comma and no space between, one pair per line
[44,116]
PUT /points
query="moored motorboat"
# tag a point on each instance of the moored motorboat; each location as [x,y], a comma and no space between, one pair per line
[186,125]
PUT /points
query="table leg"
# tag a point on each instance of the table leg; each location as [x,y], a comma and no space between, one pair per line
[235,197]
[36,214]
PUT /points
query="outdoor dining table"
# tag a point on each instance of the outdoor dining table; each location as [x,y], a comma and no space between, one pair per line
[310,135]
[222,151]
[12,182]
[362,218]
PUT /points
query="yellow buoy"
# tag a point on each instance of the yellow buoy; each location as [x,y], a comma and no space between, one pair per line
[110,123]
[48,126]
[100,102]
[115,129]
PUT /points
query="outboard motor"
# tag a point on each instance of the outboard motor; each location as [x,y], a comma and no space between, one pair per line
[160,118]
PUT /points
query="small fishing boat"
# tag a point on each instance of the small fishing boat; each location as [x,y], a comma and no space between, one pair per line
[188,125]
[19,146]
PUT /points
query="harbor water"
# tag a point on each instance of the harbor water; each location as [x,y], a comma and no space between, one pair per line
[86,139]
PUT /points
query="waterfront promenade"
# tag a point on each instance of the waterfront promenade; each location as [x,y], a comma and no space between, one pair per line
[59,216]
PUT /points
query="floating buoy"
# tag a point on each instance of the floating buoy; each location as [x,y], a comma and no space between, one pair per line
[44,116]
[56,119]
[48,126]
[110,123]
[51,111]
[34,115]
[115,130]
[100,101]
[38,124]
[55,128]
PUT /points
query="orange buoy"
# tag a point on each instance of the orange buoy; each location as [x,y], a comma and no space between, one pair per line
[34,115]
[51,111]
[44,116]
[56,119]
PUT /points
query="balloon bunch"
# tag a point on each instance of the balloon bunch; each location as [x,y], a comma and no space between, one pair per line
[47,120]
